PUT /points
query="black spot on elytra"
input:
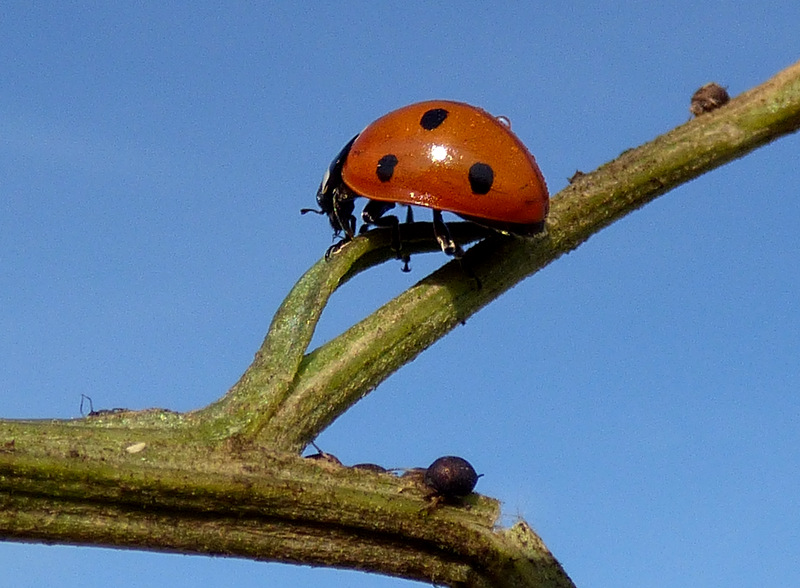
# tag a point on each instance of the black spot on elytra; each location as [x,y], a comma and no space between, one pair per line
[433,118]
[386,165]
[481,178]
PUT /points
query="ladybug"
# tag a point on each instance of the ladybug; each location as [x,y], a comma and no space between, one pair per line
[443,155]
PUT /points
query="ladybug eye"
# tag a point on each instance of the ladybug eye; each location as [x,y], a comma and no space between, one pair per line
[481,178]
[433,118]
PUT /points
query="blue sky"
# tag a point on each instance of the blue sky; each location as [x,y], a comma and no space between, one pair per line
[636,401]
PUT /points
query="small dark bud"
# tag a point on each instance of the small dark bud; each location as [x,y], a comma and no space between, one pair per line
[416,475]
[451,477]
[708,98]
[576,176]
[370,467]
[323,457]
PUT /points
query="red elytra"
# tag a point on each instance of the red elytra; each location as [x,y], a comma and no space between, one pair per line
[444,155]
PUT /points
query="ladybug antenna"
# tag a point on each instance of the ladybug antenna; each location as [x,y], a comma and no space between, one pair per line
[314,210]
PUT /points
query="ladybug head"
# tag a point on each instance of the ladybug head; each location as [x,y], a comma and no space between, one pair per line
[334,198]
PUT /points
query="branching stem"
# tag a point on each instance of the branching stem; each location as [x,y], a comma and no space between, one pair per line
[228,479]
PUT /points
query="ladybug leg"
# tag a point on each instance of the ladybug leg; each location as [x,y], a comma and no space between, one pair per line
[373,215]
[341,216]
[446,242]
[333,249]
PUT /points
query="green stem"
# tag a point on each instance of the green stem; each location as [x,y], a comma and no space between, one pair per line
[227,479]
[341,372]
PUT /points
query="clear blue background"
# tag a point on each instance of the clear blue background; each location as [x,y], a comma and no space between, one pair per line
[636,401]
